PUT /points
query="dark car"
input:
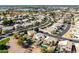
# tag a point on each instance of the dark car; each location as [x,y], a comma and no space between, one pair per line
[1,38]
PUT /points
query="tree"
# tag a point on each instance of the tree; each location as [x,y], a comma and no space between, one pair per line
[73,21]
[3,13]
[53,14]
[0,31]
[67,21]
[3,46]
[16,35]
[44,19]
[5,22]
[24,42]
[37,23]
[25,31]
[20,40]
[72,15]
[56,32]
[36,29]
[8,22]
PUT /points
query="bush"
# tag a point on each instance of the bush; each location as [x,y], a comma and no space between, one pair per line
[43,50]
[5,22]
[24,42]
[50,50]
[20,41]
[8,22]
[3,47]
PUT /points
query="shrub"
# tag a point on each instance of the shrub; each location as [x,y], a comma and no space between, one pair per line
[5,31]
[3,47]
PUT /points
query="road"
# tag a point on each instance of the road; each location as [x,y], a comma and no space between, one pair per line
[6,35]
[59,37]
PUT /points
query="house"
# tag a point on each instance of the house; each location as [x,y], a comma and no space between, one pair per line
[51,29]
[67,45]
[18,21]
[7,28]
[25,20]
[16,26]
[51,39]
[1,22]
[1,17]
[30,33]
[26,25]
[77,47]
[40,36]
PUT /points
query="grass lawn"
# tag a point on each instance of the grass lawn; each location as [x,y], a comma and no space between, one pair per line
[3,51]
[4,41]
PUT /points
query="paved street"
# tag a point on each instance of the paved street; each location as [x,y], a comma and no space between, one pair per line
[59,37]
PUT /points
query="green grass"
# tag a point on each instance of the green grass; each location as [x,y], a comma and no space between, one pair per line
[4,41]
[3,51]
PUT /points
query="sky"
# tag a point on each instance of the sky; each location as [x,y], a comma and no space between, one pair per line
[39,2]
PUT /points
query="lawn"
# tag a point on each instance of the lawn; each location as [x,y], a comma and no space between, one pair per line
[3,51]
[4,41]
